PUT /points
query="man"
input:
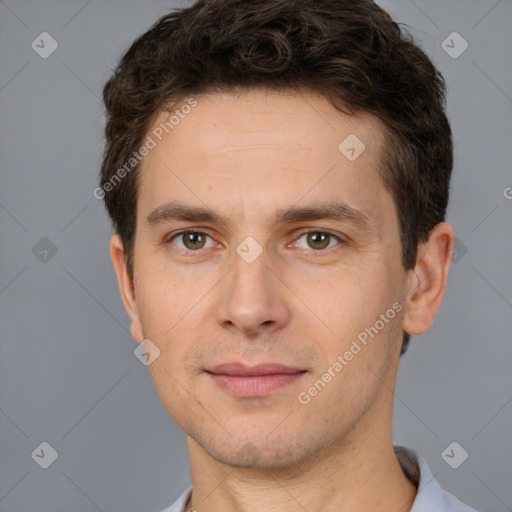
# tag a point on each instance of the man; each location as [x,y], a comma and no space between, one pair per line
[277,175]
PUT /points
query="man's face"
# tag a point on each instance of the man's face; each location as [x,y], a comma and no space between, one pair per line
[264,280]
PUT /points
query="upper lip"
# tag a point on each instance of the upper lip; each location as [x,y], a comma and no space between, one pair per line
[238,369]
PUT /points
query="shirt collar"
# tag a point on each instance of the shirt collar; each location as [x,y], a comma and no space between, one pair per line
[430,496]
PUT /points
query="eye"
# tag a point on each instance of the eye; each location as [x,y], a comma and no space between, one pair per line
[191,240]
[318,240]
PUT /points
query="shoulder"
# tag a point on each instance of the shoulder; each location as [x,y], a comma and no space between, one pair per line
[179,504]
[430,496]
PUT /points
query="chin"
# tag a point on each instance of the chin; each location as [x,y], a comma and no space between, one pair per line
[261,454]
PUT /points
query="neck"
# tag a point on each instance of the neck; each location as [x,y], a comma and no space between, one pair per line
[359,472]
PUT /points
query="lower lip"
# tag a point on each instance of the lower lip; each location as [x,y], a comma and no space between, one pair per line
[253,386]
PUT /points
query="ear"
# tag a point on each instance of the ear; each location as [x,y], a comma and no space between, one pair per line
[427,281]
[126,287]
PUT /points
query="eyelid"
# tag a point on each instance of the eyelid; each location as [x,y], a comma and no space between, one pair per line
[339,236]
[341,240]
[168,240]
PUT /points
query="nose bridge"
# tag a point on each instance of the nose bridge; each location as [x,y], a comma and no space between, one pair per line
[253,296]
[250,277]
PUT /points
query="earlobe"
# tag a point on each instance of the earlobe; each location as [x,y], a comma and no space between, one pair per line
[126,287]
[428,279]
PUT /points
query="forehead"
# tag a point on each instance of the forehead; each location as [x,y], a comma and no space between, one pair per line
[244,148]
[221,121]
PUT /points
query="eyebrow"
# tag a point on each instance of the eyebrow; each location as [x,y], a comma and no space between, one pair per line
[335,211]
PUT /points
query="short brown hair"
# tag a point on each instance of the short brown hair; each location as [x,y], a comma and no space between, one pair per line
[350,51]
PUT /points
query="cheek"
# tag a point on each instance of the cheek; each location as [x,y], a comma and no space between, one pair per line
[353,309]
[175,312]
[354,295]
[161,304]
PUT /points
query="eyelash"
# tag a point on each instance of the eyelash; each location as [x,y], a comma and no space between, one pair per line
[322,252]
[315,253]
[188,253]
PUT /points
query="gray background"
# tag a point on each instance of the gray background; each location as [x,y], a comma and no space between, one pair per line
[68,373]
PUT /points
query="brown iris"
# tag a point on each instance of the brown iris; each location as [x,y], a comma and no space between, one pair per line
[193,240]
[319,240]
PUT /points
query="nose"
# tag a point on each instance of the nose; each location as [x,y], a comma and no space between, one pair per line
[253,298]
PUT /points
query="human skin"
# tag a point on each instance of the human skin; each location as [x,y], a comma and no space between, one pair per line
[246,157]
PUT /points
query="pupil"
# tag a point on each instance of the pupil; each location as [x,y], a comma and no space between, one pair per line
[194,239]
[318,242]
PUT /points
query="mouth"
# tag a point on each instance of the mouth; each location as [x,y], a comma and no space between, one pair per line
[253,381]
